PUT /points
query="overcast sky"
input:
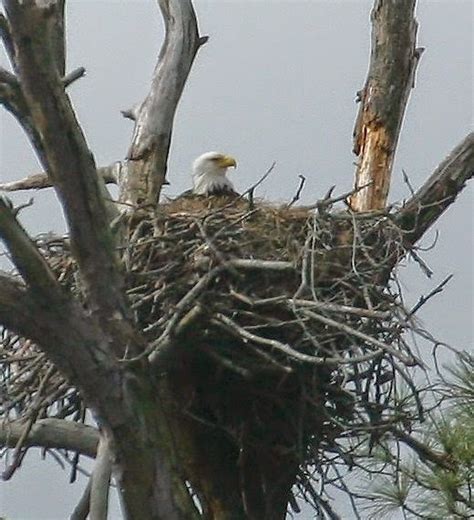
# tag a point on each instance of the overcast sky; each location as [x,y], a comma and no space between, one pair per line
[276,82]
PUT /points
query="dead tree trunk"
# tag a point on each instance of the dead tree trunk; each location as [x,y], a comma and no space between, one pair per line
[393,61]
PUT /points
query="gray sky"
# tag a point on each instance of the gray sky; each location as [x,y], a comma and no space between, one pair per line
[276,82]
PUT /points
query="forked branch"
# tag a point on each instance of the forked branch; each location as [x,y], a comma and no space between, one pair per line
[37,32]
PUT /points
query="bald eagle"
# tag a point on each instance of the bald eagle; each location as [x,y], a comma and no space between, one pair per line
[209,175]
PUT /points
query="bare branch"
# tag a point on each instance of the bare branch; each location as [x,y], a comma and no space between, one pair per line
[394,58]
[407,361]
[75,343]
[37,32]
[39,181]
[16,306]
[7,78]
[81,511]
[26,257]
[297,195]
[11,97]
[99,493]
[236,329]
[52,434]
[6,37]
[148,154]
[73,76]
[423,299]
[254,264]
[448,180]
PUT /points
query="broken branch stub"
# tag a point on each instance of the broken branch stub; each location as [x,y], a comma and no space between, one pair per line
[148,155]
[383,100]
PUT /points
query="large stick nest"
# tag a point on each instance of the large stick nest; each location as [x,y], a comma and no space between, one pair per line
[282,323]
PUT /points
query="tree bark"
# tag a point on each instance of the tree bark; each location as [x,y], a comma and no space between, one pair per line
[39,181]
[87,346]
[52,434]
[36,29]
[393,61]
[148,154]
[424,208]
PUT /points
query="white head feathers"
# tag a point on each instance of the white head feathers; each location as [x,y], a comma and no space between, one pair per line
[209,174]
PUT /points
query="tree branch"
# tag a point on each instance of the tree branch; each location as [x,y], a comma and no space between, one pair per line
[148,154]
[52,434]
[99,493]
[6,37]
[37,32]
[74,342]
[425,207]
[25,255]
[81,511]
[73,76]
[11,97]
[393,61]
[16,306]
[39,181]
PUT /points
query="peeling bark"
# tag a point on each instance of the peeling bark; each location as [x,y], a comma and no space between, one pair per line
[393,62]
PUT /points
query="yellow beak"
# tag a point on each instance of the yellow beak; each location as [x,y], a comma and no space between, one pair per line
[226,161]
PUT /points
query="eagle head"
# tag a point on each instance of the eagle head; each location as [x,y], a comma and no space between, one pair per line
[209,174]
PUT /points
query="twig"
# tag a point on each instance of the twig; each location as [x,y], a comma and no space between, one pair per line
[73,76]
[407,182]
[327,202]
[424,267]
[324,306]
[286,349]
[16,210]
[423,299]
[297,195]
[226,362]
[254,264]
[425,453]
[250,191]
[344,309]
[368,339]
